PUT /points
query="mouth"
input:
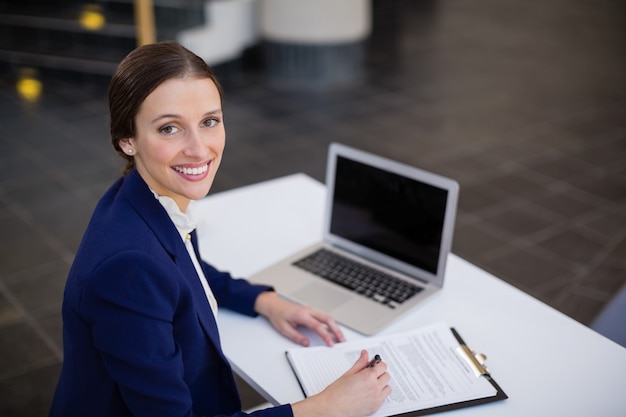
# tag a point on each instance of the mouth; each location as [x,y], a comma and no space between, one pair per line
[195,171]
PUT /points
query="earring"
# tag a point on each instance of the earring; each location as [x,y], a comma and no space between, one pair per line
[129,151]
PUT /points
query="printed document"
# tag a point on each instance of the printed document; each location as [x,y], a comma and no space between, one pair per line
[425,367]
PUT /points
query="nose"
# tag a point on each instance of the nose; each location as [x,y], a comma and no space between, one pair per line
[195,145]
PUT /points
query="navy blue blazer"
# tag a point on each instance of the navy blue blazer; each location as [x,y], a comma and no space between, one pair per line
[138,332]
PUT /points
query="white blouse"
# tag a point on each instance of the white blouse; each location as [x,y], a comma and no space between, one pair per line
[185,223]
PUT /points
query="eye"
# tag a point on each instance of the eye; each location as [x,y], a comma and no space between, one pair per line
[169,130]
[211,122]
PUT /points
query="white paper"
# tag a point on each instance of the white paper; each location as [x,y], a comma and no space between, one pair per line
[426,370]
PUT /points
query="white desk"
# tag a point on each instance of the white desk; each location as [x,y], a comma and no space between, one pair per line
[548,364]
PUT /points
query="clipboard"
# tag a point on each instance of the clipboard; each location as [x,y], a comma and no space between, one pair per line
[476,362]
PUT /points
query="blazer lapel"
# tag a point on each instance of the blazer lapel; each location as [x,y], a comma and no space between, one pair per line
[143,202]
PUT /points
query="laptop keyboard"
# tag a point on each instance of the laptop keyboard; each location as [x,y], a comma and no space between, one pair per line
[362,279]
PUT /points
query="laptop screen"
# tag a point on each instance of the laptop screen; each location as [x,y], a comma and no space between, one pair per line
[392,214]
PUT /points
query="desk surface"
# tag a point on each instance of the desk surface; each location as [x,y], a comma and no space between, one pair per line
[548,364]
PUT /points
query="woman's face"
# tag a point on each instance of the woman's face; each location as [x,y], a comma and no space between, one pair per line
[179,139]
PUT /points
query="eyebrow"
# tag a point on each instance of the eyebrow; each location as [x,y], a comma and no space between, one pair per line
[176,116]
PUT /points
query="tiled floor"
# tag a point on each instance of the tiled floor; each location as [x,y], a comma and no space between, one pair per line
[523,103]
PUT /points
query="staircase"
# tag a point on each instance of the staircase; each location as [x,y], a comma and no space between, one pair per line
[80,39]
[65,38]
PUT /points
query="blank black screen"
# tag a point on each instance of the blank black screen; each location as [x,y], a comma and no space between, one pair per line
[388,213]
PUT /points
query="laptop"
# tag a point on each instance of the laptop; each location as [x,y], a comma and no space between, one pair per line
[387,234]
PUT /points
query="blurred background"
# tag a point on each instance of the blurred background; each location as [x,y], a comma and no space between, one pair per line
[523,103]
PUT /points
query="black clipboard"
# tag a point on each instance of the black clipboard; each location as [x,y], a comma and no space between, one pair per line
[475,361]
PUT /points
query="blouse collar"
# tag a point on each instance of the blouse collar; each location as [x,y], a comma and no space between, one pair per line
[184,222]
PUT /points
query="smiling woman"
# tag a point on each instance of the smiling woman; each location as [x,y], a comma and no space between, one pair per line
[140,335]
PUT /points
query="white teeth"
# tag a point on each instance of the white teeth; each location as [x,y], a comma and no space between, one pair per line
[192,171]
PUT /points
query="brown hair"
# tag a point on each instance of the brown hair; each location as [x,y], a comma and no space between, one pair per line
[138,75]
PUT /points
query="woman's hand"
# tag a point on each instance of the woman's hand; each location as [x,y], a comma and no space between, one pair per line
[359,392]
[286,316]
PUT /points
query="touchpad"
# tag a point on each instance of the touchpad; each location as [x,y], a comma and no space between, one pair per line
[321,297]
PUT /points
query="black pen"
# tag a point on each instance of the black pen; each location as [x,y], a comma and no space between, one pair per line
[374,361]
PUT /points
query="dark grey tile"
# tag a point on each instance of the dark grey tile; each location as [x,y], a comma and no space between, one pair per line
[574,246]
[40,290]
[518,150]
[471,240]
[470,169]
[526,268]
[516,183]
[29,394]
[52,325]
[9,313]
[22,349]
[608,151]
[606,223]
[21,246]
[519,220]
[618,250]
[64,219]
[611,188]
[34,192]
[474,197]
[567,203]
[563,167]
[13,165]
